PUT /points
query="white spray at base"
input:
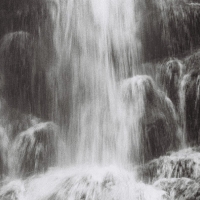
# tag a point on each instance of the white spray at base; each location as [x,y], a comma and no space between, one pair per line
[78,183]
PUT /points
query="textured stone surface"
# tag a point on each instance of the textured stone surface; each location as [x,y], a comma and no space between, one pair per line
[179,188]
[185,163]
[35,149]
[169,27]
[150,117]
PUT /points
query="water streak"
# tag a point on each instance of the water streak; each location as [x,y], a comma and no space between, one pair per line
[87,100]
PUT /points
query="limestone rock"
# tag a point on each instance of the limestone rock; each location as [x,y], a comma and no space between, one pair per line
[35,149]
[180,188]
[184,163]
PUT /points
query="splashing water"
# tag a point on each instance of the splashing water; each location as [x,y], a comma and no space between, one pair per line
[76,183]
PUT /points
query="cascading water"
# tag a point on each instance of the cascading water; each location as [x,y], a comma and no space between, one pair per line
[190,111]
[85,35]
[78,67]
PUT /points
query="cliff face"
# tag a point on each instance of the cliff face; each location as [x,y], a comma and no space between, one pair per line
[169,28]
[165,27]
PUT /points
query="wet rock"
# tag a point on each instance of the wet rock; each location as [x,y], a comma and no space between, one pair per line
[185,163]
[12,122]
[24,86]
[169,27]
[190,88]
[151,118]
[192,61]
[22,15]
[35,150]
[179,188]
[170,75]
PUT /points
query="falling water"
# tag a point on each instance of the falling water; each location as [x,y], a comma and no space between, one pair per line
[85,36]
[79,66]
[190,106]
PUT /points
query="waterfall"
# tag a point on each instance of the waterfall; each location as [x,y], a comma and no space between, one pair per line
[89,37]
[79,112]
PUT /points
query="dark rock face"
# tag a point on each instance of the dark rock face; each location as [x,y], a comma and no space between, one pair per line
[25,15]
[170,76]
[26,54]
[23,72]
[191,105]
[168,27]
[35,150]
[154,117]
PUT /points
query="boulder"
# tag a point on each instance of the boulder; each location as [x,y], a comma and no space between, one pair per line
[35,150]
[151,118]
[179,188]
[190,88]
[170,76]
[184,163]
